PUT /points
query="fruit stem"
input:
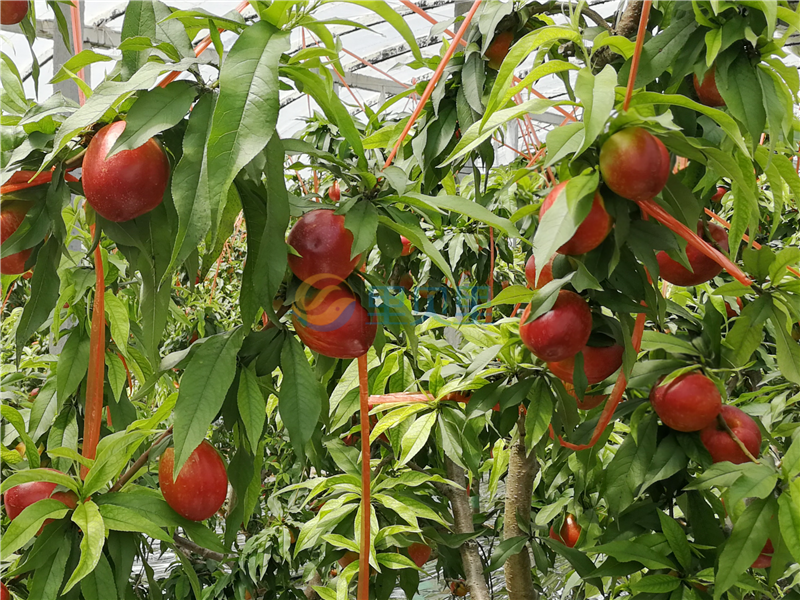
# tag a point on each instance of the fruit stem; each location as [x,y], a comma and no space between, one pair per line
[139,463]
[724,425]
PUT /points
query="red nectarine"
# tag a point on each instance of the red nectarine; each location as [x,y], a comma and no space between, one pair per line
[719,443]
[324,246]
[128,184]
[561,332]
[634,164]
[689,402]
[592,230]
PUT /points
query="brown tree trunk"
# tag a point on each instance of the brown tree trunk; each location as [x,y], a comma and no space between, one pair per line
[519,491]
[473,567]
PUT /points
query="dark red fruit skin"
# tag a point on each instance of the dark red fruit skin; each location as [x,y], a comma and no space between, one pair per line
[128,184]
[591,232]
[419,553]
[348,558]
[333,323]
[22,496]
[334,193]
[764,559]
[634,164]
[569,533]
[408,248]
[561,332]
[707,91]
[730,312]
[201,486]
[406,282]
[498,49]
[717,197]
[12,12]
[690,402]
[4,594]
[588,402]
[720,445]
[11,216]
[530,273]
[324,246]
[703,268]
[598,363]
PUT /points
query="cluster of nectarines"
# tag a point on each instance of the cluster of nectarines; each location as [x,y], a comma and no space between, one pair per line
[327,316]
[692,402]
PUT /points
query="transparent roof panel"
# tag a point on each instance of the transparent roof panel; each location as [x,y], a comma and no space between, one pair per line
[379,45]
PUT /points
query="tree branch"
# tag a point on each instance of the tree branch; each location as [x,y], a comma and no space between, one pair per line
[189,546]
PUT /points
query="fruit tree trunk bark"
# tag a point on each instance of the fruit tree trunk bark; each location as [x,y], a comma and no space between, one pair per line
[462,511]
[519,491]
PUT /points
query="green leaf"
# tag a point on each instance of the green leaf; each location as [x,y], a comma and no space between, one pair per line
[269,269]
[121,518]
[13,416]
[505,550]
[480,132]
[676,538]
[656,584]
[655,340]
[190,191]
[77,62]
[416,436]
[87,517]
[140,21]
[73,363]
[790,465]
[44,293]
[394,418]
[740,87]
[788,349]
[47,579]
[789,517]
[362,221]
[39,475]
[116,374]
[723,474]
[28,522]
[113,453]
[631,551]
[246,113]
[421,241]
[551,67]
[118,321]
[204,384]
[725,121]
[540,414]
[107,95]
[597,94]
[749,535]
[390,15]
[252,406]
[155,111]
[564,217]
[99,584]
[301,395]
[469,208]
[395,561]
[518,53]
[787,257]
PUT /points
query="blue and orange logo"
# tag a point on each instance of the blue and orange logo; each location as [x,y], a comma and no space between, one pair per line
[325,309]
